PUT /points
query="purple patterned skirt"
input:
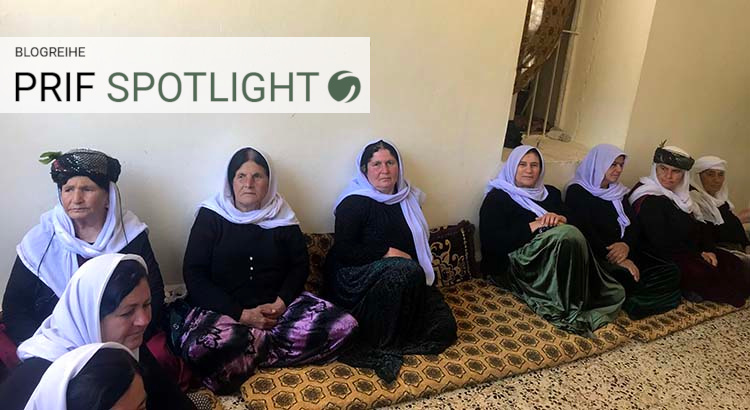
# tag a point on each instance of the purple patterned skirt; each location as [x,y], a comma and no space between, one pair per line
[225,352]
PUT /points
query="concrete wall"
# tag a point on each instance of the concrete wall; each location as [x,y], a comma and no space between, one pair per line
[441,77]
[694,88]
[605,68]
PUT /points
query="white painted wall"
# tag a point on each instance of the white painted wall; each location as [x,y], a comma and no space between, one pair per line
[441,78]
[694,88]
[605,68]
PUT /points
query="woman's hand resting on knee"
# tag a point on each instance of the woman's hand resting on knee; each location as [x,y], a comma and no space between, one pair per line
[630,266]
[547,220]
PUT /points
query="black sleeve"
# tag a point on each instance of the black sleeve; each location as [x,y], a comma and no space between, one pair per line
[196,268]
[499,226]
[16,390]
[19,303]
[654,226]
[707,242]
[351,216]
[554,203]
[297,262]
[161,390]
[142,247]
[633,231]
[579,201]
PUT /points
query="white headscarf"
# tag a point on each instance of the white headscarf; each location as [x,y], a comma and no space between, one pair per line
[590,174]
[50,250]
[52,391]
[75,320]
[680,196]
[506,181]
[410,198]
[709,204]
[274,211]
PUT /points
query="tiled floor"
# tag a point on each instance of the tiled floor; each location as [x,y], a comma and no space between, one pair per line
[705,367]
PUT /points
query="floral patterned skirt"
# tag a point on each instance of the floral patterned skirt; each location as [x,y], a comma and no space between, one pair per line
[225,352]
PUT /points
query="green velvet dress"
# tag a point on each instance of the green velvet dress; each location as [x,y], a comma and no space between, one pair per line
[554,271]
[558,277]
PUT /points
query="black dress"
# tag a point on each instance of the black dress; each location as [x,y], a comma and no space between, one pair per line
[162,392]
[397,312]
[670,233]
[658,289]
[504,227]
[731,234]
[230,267]
[28,301]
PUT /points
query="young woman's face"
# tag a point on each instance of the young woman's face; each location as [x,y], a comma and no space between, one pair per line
[126,324]
[134,398]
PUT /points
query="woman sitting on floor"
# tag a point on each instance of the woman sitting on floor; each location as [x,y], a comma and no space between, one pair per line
[88,221]
[672,228]
[712,197]
[528,247]
[97,376]
[107,300]
[245,268]
[600,210]
[380,266]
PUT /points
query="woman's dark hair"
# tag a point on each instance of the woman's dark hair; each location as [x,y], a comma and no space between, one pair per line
[126,276]
[239,158]
[103,380]
[371,149]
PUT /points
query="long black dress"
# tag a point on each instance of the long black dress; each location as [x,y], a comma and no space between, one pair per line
[397,312]
[731,234]
[670,233]
[658,289]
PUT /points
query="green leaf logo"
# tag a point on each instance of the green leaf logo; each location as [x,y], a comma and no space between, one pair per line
[340,87]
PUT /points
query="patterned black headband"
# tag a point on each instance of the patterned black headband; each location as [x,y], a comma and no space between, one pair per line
[663,156]
[98,166]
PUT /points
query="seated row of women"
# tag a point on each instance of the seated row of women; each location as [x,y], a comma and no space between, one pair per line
[246,264]
[245,267]
[576,262]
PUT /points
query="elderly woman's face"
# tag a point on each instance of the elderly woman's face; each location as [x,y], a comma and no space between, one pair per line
[612,175]
[528,170]
[250,186]
[712,180]
[382,171]
[84,201]
[669,176]
[126,324]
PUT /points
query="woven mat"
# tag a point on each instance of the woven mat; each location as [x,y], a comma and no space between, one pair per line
[499,336]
